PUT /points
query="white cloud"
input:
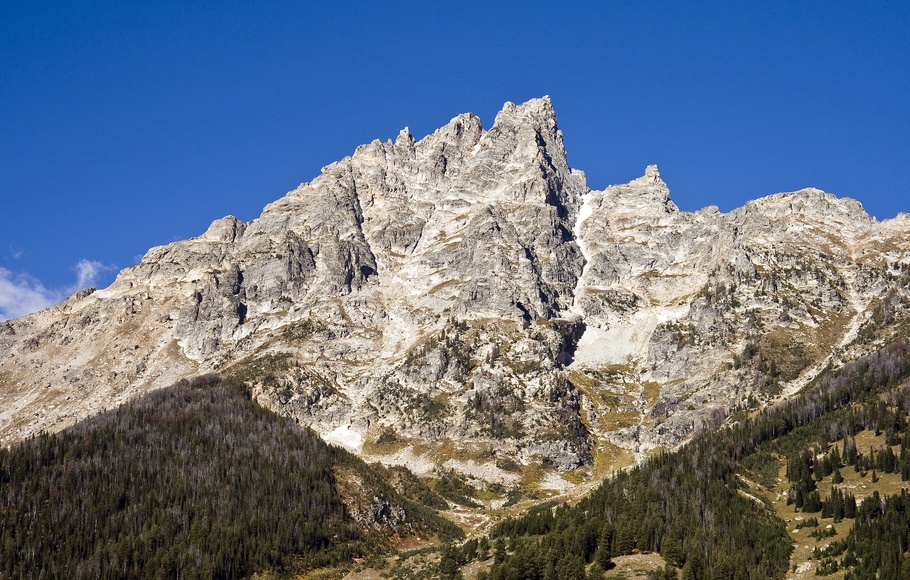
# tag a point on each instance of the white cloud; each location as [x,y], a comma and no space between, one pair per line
[87,272]
[22,294]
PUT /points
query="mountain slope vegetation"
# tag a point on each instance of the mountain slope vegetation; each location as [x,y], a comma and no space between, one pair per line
[195,478]
[691,505]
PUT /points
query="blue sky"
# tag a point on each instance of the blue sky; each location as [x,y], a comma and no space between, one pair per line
[127,125]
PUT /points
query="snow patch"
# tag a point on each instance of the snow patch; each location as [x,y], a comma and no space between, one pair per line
[624,342]
[476,148]
[345,437]
[584,213]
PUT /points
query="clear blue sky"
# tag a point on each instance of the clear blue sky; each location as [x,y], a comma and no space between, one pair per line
[127,125]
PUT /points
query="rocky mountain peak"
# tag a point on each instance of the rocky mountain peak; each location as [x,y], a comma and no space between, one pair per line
[645,195]
[651,176]
[462,133]
[809,215]
[468,288]
[404,139]
[227,229]
[536,112]
[813,203]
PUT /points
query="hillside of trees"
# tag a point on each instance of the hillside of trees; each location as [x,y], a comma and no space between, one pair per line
[689,505]
[200,481]
[195,479]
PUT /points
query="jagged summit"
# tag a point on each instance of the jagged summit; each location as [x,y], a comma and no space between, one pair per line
[468,290]
[404,139]
[537,111]
[651,176]
[647,194]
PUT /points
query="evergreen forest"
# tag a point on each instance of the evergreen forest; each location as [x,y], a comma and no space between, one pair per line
[195,480]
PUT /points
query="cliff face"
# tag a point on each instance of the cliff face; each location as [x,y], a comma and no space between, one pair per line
[709,312]
[466,298]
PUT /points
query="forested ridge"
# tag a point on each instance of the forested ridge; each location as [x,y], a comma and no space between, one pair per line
[196,479]
[689,505]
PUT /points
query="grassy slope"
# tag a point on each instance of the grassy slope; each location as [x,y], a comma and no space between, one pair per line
[774,493]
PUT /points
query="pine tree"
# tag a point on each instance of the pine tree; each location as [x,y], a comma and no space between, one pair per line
[836,476]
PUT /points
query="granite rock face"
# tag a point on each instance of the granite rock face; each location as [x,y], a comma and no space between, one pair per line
[710,312]
[468,291]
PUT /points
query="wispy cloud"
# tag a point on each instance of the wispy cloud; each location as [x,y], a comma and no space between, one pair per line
[87,272]
[22,293]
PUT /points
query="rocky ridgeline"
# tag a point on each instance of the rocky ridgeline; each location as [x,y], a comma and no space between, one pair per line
[466,301]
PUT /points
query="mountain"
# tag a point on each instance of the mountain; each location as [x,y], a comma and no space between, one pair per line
[466,302]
